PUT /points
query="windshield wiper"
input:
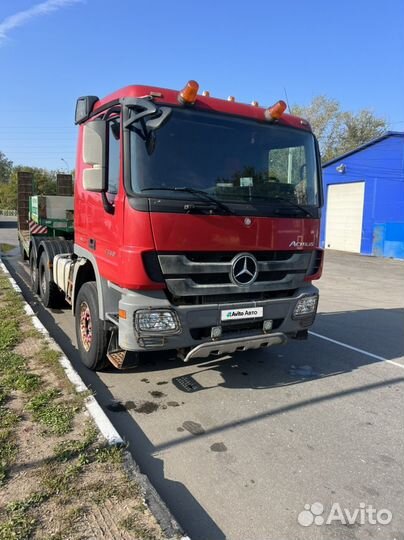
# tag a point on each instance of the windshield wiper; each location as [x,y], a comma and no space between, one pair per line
[197,192]
[295,205]
[283,199]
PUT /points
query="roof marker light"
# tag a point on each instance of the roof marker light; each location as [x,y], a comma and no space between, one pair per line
[188,94]
[275,112]
[255,104]
[231,98]
[206,93]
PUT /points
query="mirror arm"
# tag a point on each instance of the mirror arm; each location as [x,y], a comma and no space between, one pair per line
[149,109]
[144,108]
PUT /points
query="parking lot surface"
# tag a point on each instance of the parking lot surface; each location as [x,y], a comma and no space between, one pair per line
[238,446]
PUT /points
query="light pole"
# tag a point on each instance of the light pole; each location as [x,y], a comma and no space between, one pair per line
[67,165]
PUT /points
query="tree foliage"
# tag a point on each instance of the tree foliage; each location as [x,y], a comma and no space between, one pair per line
[339,131]
[6,166]
[44,184]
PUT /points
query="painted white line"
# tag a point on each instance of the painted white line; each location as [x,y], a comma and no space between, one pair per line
[103,423]
[10,279]
[101,420]
[361,351]
[39,326]
[28,310]
[72,374]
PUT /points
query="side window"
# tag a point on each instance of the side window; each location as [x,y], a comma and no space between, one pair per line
[113,155]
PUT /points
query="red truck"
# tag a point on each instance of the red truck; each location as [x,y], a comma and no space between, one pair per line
[196,227]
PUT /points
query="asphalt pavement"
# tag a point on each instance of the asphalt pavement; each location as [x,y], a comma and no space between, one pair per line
[238,446]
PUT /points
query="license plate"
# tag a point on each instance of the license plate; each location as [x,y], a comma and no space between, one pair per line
[242,313]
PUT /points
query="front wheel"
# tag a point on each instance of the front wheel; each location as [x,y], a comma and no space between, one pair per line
[91,336]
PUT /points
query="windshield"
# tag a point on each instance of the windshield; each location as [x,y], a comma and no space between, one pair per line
[231,159]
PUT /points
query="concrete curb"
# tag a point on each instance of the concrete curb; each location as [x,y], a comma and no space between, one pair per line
[157,506]
[101,420]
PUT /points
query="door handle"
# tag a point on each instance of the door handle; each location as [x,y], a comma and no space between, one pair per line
[91,243]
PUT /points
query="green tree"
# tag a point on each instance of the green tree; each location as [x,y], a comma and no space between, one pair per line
[360,128]
[7,196]
[6,166]
[339,131]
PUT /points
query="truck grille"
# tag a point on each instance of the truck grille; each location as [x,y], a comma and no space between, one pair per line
[199,278]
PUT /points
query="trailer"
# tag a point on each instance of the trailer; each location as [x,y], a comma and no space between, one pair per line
[45,225]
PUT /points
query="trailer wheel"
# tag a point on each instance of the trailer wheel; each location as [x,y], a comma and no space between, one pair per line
[33,272]
[91,336]
[48,290]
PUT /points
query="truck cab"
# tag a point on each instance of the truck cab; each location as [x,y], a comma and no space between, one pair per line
[196,226]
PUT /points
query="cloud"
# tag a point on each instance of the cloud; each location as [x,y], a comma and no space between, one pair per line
[22,17]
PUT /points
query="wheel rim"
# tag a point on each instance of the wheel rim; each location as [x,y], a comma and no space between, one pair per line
[86,326]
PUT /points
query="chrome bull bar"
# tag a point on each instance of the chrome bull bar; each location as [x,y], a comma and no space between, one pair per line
[229,346]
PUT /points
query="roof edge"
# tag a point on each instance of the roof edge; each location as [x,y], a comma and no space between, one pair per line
[363,146]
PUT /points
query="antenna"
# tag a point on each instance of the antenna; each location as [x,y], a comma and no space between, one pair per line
[287,100]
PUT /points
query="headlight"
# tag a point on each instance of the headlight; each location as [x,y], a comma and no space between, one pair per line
[160,320]
[305,306]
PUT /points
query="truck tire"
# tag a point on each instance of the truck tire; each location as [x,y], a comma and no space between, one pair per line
[22,252]
[49,292]
[91,335]
[33,272]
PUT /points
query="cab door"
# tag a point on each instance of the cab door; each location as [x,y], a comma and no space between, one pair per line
[105,210]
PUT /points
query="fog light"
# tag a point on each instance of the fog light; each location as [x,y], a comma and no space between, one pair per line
[164,321]
[305,306]
[216,332]
[267,326]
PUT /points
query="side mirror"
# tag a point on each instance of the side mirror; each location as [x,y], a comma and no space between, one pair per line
[94,153]
[84,107]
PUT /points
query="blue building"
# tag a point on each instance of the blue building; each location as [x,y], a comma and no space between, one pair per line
[364,199]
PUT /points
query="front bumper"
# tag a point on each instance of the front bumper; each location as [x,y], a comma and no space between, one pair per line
[197,320]
[230,346]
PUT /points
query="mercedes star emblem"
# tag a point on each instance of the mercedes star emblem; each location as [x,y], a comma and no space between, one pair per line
[244,269]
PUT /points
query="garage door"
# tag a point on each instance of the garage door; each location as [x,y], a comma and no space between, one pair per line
[344,216]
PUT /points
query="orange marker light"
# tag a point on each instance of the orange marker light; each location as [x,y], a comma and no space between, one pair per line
[187,96]
[255,104]
[206,93]
[122,314]
[231,98]
[276,111]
